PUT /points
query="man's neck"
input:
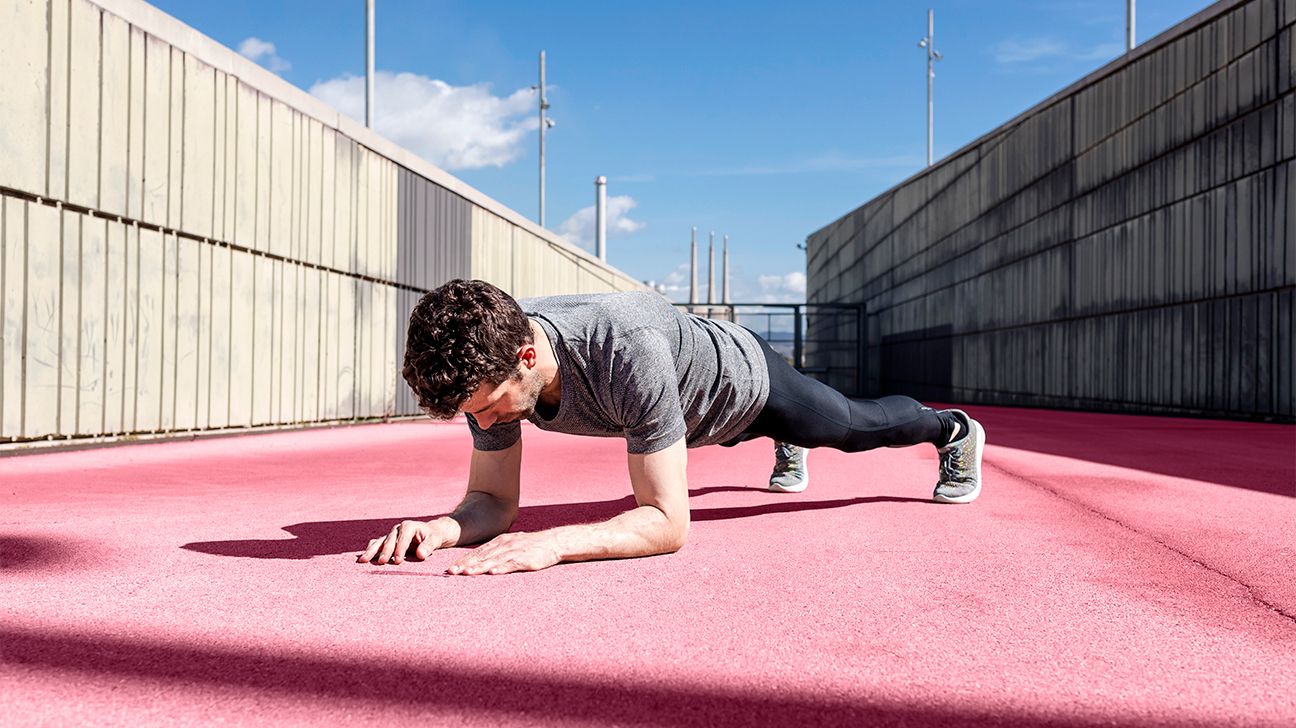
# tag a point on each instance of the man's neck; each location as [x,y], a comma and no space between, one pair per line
[547,365]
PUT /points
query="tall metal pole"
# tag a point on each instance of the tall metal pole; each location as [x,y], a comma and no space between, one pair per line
[369,63]
[544,106]
[724,273]
[600,217]
[711,270]
[693,289]
[933,55]
[1129,25]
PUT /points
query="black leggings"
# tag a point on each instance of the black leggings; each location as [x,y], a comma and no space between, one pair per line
[806,412]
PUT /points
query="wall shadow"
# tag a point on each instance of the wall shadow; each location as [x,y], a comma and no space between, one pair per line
[458,688]
[918,363]
[1249,455]
[328,538]
[37,553]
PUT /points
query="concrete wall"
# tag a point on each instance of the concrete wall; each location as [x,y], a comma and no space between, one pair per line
[1127,245]
[188,243]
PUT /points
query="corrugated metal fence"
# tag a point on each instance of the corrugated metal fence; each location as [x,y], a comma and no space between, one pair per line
[188,243]
[1127,245]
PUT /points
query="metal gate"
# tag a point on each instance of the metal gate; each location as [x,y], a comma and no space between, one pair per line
[823,340]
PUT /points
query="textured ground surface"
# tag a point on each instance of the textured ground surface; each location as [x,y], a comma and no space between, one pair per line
[1129,570]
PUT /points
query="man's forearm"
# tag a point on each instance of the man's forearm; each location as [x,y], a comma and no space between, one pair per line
[479,517]
[644,531]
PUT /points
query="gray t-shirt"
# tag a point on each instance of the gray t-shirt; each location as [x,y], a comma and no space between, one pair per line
[634,366]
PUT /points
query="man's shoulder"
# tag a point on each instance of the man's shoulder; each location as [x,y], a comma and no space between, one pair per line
[579,300]
[616,311]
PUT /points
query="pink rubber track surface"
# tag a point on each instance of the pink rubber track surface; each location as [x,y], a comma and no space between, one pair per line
[1115,570]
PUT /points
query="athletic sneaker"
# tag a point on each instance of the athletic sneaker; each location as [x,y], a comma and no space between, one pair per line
[960,463]
[790,474]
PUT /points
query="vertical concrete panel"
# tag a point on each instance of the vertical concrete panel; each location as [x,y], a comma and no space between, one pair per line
[43,303]
[57,99]
[229,141]
[364,340]
[359,261]
[262,343]
[204,321]
[123,292]
[68,358]
[281,177]
[314,190]
[220,151]
[220,383]
[277,341]
[156,129]
[310,369]
[342,195]
[328,196]
[392,348]
[135,126]
[243,321]
[125,289]
[175,141]
[170,330]
[245,193]
[115,70]
[14,230]
[347,348]
[150,330]
[264,163]
[290,316]
[91,326]
[24,56]
[329,357]
[189,333]
[83,105]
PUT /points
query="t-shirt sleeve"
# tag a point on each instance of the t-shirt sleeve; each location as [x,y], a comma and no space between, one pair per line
[498,437]
[645,394]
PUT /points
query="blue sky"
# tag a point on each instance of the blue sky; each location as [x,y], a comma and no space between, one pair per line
[760,120]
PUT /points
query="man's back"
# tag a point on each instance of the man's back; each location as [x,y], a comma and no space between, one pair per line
[632,365]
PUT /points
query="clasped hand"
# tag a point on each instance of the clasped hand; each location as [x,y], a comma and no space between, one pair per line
[508,552]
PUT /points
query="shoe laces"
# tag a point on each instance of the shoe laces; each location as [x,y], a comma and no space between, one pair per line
[955,464]
[786,457]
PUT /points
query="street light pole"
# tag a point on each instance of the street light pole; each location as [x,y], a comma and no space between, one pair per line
[933,55]
[1129,25]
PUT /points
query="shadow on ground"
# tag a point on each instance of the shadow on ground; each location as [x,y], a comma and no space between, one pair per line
[325,538]
[458,689]
[1250,455]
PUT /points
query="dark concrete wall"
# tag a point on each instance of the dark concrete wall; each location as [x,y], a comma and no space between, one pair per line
[1127,245]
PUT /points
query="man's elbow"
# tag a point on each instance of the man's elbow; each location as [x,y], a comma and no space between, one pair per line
[676,536]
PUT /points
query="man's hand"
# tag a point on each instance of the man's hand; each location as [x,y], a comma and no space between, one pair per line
[509,552]
[414,540]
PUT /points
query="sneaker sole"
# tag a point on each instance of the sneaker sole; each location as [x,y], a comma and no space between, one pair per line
[790,488]
[980,435]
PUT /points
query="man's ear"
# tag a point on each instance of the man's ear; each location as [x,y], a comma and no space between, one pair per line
[527,355]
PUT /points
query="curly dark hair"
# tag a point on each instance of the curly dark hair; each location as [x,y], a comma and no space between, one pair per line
[461,335]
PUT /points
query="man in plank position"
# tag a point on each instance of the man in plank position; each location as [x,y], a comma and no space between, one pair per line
[624,365]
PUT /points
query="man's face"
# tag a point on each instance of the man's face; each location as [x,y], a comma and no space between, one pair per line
[512,400]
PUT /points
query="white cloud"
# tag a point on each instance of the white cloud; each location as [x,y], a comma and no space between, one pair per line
[1014,52]
[675,285]
[263,53]
[822,163]
[1031,49]
[1101,52]
[786,288]
[453,127]
[579,228]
